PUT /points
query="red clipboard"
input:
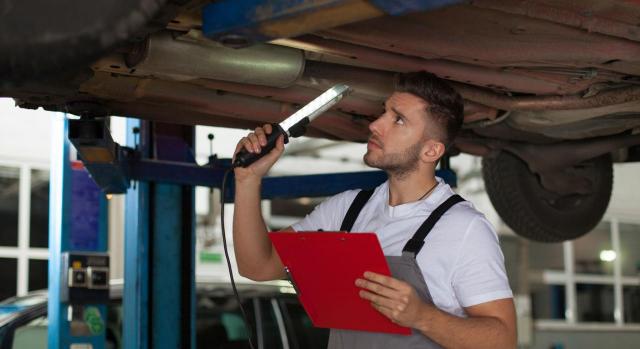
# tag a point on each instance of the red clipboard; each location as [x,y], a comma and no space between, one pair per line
[323,266]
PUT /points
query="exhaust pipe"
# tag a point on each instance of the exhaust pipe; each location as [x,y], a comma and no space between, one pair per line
[193,56]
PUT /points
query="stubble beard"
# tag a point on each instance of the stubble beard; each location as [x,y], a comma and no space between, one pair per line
[398,165]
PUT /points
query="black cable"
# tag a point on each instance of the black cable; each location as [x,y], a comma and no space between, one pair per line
[226,254]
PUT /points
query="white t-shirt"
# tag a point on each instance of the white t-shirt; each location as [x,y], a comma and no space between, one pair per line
[461,260]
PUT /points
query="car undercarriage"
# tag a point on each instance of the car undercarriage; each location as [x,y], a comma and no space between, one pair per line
[551,88]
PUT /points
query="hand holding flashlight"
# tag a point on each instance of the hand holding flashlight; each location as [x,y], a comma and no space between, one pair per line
[294,125]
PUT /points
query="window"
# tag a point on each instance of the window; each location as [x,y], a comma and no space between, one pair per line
[631,296]
[24,228]
[39,215]
[589,249]
[630,249]
[38,274]
[8,277]
[9,199]
[594,302]
[605,261]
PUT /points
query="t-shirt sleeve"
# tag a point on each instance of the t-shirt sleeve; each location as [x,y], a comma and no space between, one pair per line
[479,274]
[329,214]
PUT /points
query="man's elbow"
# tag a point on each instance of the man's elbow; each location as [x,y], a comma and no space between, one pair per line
[249,273]
[505,334]
[255,275]
[510,335]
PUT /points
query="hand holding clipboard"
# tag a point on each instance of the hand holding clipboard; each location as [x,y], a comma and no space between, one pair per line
[324,266]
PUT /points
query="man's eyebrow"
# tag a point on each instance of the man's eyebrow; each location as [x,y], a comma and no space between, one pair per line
[397,112]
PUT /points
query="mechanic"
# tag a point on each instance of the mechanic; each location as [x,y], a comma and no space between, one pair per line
[449,282]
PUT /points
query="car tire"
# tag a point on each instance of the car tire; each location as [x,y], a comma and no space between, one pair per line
[524,205]
[42,38]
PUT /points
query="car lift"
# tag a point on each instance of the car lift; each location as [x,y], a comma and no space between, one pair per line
[157,172]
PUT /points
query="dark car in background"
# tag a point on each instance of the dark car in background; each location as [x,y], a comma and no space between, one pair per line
[275,315]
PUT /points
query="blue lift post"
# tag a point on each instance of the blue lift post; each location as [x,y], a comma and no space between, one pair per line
[159,294]
[77,222]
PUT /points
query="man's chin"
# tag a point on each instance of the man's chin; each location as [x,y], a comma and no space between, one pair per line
[370,162]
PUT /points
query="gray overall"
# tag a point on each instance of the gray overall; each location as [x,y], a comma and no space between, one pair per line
[402,267]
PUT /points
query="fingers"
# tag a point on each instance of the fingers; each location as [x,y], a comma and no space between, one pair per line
[395,310]
[382,301]
[280,144]
[254,141]
[257,142]
[239,146]
[388,312]
[376,288]
[385,280]
[261,135]
[393,298]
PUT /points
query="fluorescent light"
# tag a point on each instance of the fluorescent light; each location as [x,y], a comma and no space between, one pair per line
[607,255]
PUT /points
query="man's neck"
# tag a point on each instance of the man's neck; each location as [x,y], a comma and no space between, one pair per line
[410,187]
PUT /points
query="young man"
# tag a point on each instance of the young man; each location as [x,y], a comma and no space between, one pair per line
[449,282]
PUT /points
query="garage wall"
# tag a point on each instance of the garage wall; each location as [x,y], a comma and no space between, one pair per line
[25,133]
[626,190]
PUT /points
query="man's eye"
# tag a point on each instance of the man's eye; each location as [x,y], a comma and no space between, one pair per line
[399,120]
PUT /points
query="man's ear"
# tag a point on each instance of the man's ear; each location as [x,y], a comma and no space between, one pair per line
[433,151]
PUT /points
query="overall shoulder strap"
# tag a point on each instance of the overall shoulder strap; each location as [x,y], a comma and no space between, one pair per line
[414,245]
[355,208]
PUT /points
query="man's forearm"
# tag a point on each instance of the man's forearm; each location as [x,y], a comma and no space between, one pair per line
[252,246]
[473,332]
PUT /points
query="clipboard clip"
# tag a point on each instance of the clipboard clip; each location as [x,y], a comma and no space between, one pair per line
[291,280]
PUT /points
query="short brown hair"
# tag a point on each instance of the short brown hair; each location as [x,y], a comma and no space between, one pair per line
[446,106]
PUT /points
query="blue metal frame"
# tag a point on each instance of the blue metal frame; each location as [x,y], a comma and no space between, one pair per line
[136,255]
[58,229]
[163,171]
[249,18]
[272,187]
[400,7]
[70,191]
[136,266]
[159,294]
[246,16]
[167,254]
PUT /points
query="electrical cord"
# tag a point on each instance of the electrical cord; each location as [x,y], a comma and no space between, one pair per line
[226,255]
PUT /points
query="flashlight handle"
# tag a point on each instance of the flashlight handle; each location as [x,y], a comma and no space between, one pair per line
[245,158]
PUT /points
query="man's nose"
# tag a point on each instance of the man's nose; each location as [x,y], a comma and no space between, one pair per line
[376,126]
